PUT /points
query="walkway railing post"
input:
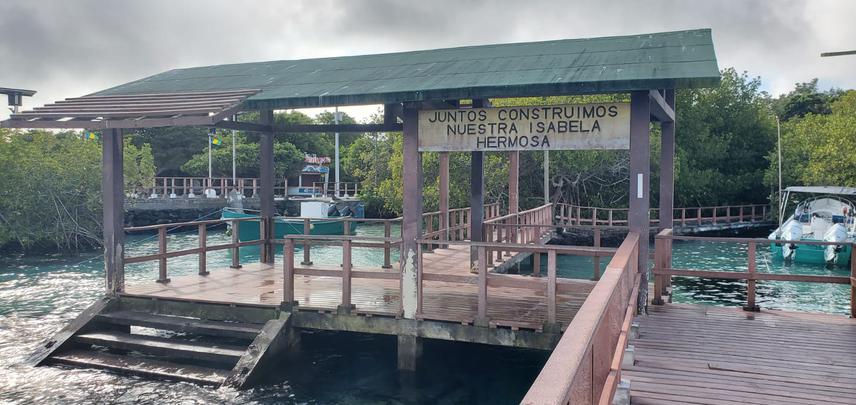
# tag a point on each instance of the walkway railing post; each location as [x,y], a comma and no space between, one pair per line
[551,290]
[162,276]
[307,229]
[346,278]
[203,262]
[288,276]
[596,259]
[853,280]
[750,282]
[387,264]
[236,238]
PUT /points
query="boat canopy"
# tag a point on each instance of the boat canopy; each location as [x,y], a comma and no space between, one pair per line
[835,190]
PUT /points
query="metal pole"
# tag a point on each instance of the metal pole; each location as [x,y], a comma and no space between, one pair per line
[234,154]
[781,203]
[546,177]
[210,139]
[336,121]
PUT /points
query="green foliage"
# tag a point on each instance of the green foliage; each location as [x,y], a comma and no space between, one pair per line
[805,99]
[171,146]
[819,149]
[50,191]
[288,160]
[723,137]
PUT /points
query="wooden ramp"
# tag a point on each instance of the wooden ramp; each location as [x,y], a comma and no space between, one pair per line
[694,354]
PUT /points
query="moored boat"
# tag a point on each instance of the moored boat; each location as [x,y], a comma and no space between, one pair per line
[824,214]
[326,217]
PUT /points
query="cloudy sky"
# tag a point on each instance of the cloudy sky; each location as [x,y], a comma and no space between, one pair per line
[70,48]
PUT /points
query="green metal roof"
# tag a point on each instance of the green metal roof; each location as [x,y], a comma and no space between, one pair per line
[568,66]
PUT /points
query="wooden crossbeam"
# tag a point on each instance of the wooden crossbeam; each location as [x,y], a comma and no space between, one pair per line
[660,109]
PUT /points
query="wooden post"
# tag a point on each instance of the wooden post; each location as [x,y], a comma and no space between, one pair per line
[551,288]
[387,264]
[853,280]
[513,180]
[203,238]
[667,167]
[411,226]
[162,275]
[113,194]
[476,200]
[266,185]
[750,282]
[236,239]
[346,277]
[536,263]
[659,255]
[429,228]
[482,320]
[444,195]
[640,176]
[307,229]
[288,275]
[596,259]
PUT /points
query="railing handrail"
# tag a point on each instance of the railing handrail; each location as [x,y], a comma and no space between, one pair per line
[518,214]
[573,355]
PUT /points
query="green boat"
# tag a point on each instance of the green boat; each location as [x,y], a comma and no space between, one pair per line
[826,215]
[328,225]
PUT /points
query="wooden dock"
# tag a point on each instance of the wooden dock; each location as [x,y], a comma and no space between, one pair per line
[375,294]
[694,354]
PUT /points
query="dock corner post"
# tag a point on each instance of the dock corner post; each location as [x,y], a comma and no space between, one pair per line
[236,240]
[113,193]
[596,258]
[346,306]
[482,319]
[288,303]
[409,352]
[266,176]
[640,179]
[203,242]
[750,282]
[659,255]
[411,224]
[667,167]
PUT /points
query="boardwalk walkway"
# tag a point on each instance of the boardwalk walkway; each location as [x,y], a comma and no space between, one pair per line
[693,354]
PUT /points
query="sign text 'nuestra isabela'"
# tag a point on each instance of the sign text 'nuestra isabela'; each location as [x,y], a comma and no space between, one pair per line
[557,127]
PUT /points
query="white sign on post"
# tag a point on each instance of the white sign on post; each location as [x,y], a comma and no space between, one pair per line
[556,127]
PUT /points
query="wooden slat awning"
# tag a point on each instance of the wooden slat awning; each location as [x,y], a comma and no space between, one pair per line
[135,111]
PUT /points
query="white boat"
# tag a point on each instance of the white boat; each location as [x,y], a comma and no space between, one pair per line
[821,213]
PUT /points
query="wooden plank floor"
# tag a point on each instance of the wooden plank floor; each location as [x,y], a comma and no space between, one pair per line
[694,354]
[260,284]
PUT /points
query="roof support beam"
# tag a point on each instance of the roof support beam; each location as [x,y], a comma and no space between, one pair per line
[660,110]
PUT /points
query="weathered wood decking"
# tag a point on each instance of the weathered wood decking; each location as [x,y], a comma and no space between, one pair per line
[694,354]
[261,284]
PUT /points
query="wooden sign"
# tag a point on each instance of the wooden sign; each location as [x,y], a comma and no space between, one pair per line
[556,127]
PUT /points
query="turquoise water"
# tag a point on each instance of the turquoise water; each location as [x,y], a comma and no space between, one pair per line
[39,295]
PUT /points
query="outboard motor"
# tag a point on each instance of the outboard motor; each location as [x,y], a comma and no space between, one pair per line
[835,233]
[793,231]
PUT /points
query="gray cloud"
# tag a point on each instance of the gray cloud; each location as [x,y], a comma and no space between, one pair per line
[66,49]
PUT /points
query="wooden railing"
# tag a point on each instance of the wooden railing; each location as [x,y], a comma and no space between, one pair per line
[457,225]
[346,188]
[164,187]
[549,286]
[202,228]
[524,227]
[585,366]
[581,215]
[346,271]
[663,270]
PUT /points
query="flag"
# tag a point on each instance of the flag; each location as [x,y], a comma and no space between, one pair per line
[90,136]
[216,141]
